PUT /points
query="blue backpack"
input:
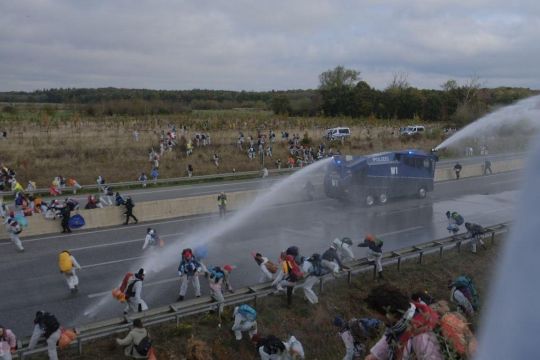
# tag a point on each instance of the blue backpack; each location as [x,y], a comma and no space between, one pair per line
[216,273]
[458,218]
[76,221]
[249,312]
[466,286]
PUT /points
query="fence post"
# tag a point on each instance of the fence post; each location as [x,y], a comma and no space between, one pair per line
[79,345]
[420,257]
[399,263]
[441,251]
[458,244]
[320,285]
[492,237]
[349,277]
[374,272]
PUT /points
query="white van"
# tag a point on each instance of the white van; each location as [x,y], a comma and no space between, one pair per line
[338,133]
[413,129]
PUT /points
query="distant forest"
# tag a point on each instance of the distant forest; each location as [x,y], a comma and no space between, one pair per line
[341,92]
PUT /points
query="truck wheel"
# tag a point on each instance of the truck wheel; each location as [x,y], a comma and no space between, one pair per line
[370,200]
[422,192]
[383,198]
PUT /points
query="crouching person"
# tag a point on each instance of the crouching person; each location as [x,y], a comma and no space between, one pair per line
[137,342]
[46,325]
[409,327]
[245,319]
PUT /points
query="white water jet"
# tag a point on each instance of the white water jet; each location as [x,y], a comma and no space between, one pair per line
[286,190]
[524,114]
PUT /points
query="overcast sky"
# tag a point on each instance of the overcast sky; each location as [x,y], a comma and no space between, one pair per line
[265,45]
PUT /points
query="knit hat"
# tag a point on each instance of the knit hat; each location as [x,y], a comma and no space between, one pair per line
[228,268]
[370,237]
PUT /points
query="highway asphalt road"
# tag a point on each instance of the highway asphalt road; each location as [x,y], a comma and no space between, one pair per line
[170,192]
[31,281]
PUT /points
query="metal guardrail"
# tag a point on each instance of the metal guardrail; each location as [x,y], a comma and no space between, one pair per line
[177,311]
[224,176]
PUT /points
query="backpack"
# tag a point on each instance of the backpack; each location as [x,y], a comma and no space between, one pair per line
[273,345]
[347,241]
[76,221]
[378,242]
[315,261]
[50,323]
[129,291]
[64,262]
[216,273]
[458,218]
[143,347]
[294,271]
[466,286]
[249,312]
[271,267]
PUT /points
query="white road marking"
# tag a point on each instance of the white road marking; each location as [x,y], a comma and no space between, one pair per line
[148,224]
[112,262]
[401,231]
[164,281]
[141,240]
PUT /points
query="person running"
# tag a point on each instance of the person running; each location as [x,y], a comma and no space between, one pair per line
[72,183]
[487,167]
[129,210]
[375,254]
[46,325]
[457,170]
[8,343]
[189,269]
[331,261]
[133,293]
[343,247]
[222,204]
[216,277]
[65,213]
[13,228]
[68,266]
[151,238]
[289,274]
[313,270]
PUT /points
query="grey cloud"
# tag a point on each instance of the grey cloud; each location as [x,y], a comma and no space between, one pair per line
[264,45]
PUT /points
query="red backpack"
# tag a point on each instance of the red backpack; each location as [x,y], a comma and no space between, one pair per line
[294,271]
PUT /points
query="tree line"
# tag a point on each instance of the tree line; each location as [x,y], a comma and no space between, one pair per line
[341,92]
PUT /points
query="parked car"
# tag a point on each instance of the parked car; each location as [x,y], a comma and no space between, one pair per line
[412,130]
[338,133]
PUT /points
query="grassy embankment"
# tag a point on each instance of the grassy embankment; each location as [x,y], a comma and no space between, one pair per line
[312,325]
[42,145]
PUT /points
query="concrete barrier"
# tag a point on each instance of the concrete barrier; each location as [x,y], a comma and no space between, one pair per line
[144,211]
[207,204]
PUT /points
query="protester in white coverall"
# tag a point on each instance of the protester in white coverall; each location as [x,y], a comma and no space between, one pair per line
[13,228]
[343,247]
[262,262]
[242,323]
[135,302]
[309,282]
[72,279]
